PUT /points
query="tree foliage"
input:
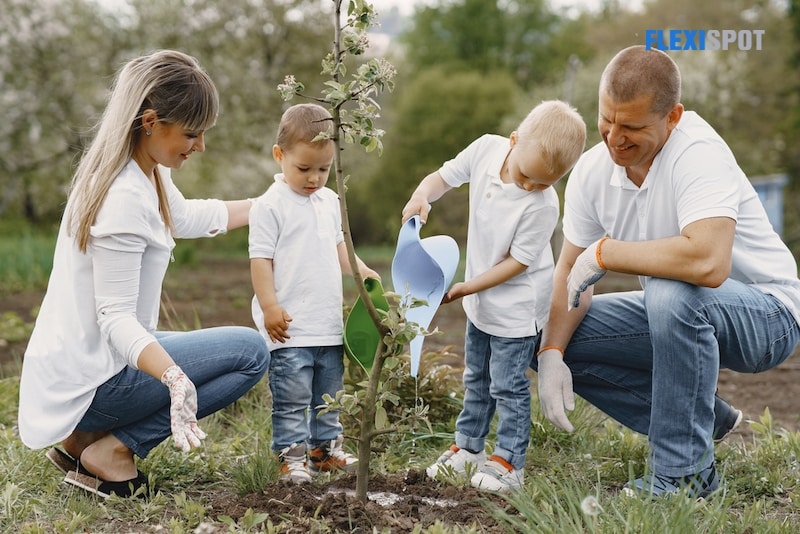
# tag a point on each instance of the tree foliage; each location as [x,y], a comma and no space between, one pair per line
[466,67]
[58,57]
[516,36]
[436,116]
[52,79]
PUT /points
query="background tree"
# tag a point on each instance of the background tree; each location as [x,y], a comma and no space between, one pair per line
[54,60]
[57,58]
[247,47]
[515,36]
[436,116]
[468,34]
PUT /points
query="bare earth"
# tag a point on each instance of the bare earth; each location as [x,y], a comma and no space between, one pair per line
[218,293]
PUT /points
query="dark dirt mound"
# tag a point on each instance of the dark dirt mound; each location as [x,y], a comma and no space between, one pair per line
[399,502]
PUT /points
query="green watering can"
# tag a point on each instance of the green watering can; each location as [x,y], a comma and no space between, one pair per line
[361,338]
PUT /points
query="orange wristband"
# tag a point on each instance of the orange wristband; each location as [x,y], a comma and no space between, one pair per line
[597,254]
[548,347]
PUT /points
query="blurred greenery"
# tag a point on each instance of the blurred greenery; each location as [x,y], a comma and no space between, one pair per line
[465,67]
[26,255]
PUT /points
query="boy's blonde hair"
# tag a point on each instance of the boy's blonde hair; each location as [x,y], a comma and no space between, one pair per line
[302,123]
[180,92]
[557,131]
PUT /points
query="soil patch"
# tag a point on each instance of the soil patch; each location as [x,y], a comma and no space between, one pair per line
[400,502]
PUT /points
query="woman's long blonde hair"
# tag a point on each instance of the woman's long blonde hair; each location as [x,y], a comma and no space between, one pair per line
[167,81]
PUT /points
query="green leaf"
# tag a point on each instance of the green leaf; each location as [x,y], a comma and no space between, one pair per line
[381,419]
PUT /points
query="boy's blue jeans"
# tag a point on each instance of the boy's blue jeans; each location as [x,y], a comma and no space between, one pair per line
[223,363]
[494,380]
[298,378]
[651,359]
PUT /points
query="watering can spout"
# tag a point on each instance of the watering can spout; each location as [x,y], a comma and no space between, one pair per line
[424,268]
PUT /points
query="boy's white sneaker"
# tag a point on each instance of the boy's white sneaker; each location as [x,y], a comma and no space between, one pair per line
[293,464]
[456,460]
[330,457]
[498,475]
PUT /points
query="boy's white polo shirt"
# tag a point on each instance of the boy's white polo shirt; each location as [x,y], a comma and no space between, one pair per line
[300,234]
[505,220]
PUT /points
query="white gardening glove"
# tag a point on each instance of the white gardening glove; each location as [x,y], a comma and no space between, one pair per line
[588,269]
[183,409]
[555,388]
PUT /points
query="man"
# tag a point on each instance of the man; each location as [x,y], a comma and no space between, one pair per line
[662,197]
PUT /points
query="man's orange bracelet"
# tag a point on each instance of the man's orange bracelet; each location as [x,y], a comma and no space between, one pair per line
[597,254]
[548,347]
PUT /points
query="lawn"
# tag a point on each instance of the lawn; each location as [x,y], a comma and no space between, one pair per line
[572,483]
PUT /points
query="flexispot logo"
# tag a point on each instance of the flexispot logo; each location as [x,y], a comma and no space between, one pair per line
[704,39]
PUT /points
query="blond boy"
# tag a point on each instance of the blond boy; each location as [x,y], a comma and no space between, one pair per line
[506,292]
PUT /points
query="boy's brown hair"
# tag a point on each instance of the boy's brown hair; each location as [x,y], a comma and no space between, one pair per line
[302,123]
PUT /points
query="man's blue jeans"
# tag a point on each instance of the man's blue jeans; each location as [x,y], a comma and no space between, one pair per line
[223,363]
[298,378]
[495,380]
[651,359]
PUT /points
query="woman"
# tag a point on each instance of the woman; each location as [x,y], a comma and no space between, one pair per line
[97,376]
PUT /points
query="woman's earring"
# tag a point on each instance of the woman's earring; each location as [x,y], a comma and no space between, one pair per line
[148,132]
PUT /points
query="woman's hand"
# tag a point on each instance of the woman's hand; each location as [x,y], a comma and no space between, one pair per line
[183,409]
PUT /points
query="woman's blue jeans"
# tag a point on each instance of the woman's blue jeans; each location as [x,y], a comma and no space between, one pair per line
[298,378]
[495,380]
[223,363]
[651,359]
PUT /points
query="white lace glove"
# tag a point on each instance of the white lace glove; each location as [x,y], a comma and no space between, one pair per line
[183,409]
[588,269]
[555,388]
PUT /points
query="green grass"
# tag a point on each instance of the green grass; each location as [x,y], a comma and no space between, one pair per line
[26,256]
[573,480]
[572,483]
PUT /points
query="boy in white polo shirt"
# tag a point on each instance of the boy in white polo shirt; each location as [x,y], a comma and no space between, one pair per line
[512,214]
[297,256]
